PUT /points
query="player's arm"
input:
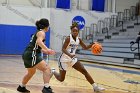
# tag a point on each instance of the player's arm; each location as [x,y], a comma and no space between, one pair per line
[84,46]
[40,36]
[66,43]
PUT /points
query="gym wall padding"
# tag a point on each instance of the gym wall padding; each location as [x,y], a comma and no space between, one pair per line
[98,5]
[64,4]
[15,38]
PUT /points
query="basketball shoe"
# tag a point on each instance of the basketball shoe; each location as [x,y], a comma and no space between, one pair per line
[98,89]
[22,89]
[47,90]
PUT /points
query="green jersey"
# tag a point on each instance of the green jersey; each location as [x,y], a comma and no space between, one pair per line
[32,53]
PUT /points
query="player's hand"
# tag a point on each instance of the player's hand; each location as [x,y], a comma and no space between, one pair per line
[96,43]
[48,51]
[51,52]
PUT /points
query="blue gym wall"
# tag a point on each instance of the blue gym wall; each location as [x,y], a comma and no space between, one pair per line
[14,38]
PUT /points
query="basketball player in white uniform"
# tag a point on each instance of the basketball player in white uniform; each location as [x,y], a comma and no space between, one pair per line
[68,57]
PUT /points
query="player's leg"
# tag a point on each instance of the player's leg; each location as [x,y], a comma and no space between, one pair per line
[79,67]
[42,66]
[62,71]
[26,78]
[60,76]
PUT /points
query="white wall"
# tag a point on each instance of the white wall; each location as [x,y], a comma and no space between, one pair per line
[17,2]
[124,4]
[60,20]
[22,15]
[74,4]
[84,4]
[2,1]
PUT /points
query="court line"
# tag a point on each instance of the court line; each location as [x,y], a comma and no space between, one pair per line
[114,69]
[106,85]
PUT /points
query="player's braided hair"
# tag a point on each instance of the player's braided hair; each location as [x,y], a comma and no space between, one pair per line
[74,24]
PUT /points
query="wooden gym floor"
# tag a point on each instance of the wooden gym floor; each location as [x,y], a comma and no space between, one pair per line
[115,79]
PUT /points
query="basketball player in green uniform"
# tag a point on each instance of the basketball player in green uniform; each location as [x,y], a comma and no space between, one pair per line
[33,60]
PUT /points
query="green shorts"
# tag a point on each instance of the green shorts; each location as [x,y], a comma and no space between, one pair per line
[31,60]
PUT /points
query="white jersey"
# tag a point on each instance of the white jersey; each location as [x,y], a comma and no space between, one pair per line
[71,48]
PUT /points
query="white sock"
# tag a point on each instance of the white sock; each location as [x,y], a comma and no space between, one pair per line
[46,85]
[52,70]
[94,84]
[22,85]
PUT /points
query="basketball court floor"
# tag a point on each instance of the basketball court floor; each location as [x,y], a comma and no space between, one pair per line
[114,78]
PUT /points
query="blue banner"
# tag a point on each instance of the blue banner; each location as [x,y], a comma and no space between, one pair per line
[65,4]
[98,5]
[15,38]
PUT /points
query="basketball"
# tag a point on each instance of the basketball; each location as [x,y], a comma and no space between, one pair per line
[96,49]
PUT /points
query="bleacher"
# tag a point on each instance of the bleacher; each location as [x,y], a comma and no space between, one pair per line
[115,34]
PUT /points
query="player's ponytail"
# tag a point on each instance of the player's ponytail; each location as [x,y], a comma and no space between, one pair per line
[42,23]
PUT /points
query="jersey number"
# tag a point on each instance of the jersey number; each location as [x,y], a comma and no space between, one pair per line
[71,50]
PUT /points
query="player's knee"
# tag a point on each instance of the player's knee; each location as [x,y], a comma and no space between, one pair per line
[61,79]
[47,72]
[46,69]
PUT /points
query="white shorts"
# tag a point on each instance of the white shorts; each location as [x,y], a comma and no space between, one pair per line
[64,63]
